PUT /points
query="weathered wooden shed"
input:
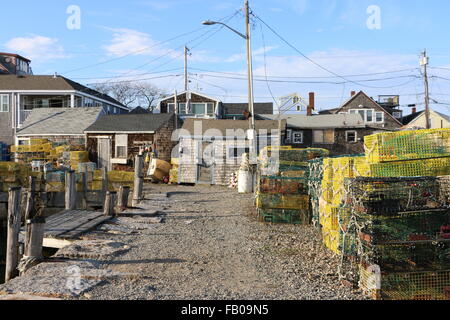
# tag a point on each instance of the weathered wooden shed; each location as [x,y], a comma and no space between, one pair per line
[210,150]
[114,140]
[58,125]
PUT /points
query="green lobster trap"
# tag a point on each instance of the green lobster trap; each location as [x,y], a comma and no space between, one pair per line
[300,217]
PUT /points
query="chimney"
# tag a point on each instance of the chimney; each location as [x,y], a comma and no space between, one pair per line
[414,109]
[352,93]
[312,104]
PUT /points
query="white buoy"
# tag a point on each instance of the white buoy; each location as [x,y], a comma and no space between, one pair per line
[245,181]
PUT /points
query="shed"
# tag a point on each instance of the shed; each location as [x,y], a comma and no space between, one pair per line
[210,150]
[114,140]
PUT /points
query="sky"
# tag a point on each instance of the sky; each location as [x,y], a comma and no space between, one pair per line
[349,45]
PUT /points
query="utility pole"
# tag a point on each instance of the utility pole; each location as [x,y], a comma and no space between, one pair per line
[424,63]
[186,78]
[250,80]
[176,109]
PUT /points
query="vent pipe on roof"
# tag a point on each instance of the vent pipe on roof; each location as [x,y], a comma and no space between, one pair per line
[55,75]
[353,93]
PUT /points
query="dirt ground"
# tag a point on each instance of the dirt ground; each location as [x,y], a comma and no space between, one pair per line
[211,246]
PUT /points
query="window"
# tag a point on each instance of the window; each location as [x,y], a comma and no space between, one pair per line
[351,136]
[198,108]
[297,137]
[182,108]
[170,107]
[121,145]
[210,109]
[323,136]
[369,116]
[288,136]
[379,117]
[366,114]
[397,114]
[237,152]
[4,103]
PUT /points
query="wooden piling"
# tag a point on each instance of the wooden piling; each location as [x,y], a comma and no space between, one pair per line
[85,187]
[14,221]
[29,209]
[110,199]
[105,180]
[70,189]
[122,198]
[34,237]
[138,179]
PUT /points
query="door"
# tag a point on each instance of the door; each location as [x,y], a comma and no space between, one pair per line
[205,164]
[104,153]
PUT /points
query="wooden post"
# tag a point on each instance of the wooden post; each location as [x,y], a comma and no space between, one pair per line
[122,198]
[70,189]
[12,249]
[85,187]
[29,209]
[138,179]
[34,237]
[108,208]
[105,180]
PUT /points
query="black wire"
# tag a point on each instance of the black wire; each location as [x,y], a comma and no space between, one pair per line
[314,62]
[305,77]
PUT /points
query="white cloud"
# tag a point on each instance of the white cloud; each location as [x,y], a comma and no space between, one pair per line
[37,48]
[128,41]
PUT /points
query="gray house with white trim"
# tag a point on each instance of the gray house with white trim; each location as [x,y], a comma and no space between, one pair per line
[20,94]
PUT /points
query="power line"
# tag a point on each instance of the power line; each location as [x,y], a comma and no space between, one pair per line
[311,60]
[314,82]
[134,52]
[307,77]
[135,80]
[134,75]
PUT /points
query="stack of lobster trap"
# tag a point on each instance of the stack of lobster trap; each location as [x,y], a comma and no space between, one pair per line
[392,215]
[282,188]
[395,237]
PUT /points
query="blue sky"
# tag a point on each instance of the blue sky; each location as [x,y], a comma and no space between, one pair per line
[333,33]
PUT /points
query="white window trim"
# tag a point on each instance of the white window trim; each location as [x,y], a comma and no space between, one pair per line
[185,113]
[356,111]
[351,131]
[293,137]
[288,138]
[8,98]
[125,137]
[382,116]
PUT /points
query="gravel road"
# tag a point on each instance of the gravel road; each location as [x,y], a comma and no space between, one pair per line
[210,246]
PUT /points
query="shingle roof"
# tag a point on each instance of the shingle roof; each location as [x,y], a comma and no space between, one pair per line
[320,121]
[49,121]
[190,125]
[139,110]
[239,108]
[59,83]
[130,123]
[407,119]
